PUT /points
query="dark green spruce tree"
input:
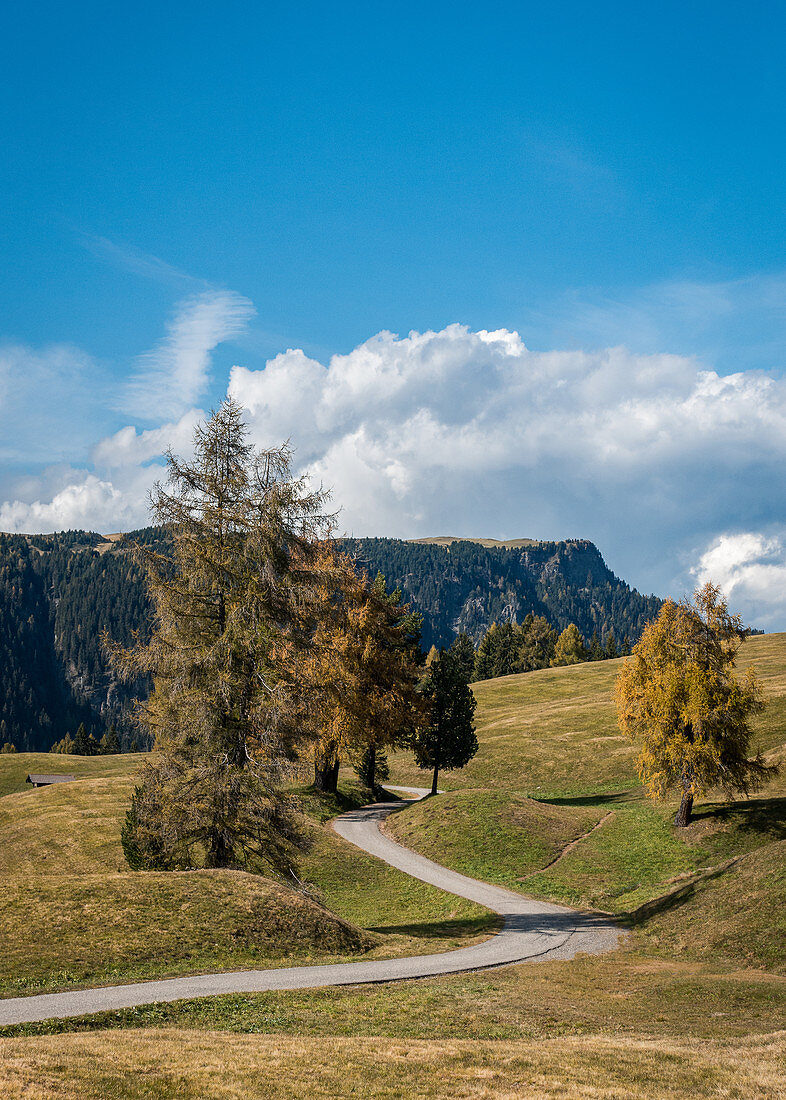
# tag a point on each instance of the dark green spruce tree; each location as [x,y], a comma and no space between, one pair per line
[110,742]
[84,743]
[372,769]
[448,740]
[464,654]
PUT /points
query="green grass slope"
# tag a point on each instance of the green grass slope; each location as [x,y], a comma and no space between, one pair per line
[558,813]
[554,731]
[734,916]
[74,914]
[493,835]
[550,731]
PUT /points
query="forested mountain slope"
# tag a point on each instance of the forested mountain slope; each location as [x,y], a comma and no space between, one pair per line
[59,593]
[466,586]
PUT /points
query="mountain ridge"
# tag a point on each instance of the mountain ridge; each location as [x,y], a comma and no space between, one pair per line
[447,540]
[465,585]
[60,592]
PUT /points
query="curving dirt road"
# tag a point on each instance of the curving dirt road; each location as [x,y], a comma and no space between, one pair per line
[532,930]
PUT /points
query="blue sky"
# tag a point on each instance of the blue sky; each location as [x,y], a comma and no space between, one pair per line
[192,188]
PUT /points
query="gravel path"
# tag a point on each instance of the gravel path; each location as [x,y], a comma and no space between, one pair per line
[532,930]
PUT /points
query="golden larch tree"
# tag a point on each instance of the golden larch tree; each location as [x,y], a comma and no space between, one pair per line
[679,697]
[367,645]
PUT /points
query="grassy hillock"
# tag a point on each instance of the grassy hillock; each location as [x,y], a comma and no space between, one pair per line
[74,914]
[736,916]
[617,851]
[118,927]
[68,828]
[493,835]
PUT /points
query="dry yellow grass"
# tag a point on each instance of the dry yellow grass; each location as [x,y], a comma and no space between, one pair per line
[14,767]
[130,1065]
[446,540]
[555,730]
[62,870]
[70,828]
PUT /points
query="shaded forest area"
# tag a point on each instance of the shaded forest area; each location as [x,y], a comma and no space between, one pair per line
[59,593]
[465,587]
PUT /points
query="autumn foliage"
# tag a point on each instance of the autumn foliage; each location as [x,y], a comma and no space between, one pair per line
[268,647]
[679,697]
[364,668]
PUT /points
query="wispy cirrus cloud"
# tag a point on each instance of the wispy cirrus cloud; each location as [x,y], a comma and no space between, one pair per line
[173,376]
[61,468]
[37,386]
[128,258]
[730,324]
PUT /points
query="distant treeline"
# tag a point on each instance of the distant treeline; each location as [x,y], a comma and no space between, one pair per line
[59,593]
[506,648]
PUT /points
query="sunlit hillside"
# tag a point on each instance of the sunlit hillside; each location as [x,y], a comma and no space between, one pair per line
[551,806]
[555,732]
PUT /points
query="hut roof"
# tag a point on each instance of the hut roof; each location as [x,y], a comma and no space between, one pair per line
[45,780]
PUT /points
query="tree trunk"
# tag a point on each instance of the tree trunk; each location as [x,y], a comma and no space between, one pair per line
[434,780]
[684,812]
[218,853]
[326,771]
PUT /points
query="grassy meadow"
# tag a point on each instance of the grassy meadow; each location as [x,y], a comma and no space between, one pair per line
[554,732]
[693,1002]
[63,874]
[716,889]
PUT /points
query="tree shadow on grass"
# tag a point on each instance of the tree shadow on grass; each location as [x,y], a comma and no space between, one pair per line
[327,804]
[763,818]
[634,795]
[445,929]
[674,899]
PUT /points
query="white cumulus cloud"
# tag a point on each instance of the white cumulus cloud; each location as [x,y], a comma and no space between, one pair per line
[89,497]
[472,433]
[750,567]
[129,447]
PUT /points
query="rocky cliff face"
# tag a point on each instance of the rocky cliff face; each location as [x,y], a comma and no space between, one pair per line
[466,586]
